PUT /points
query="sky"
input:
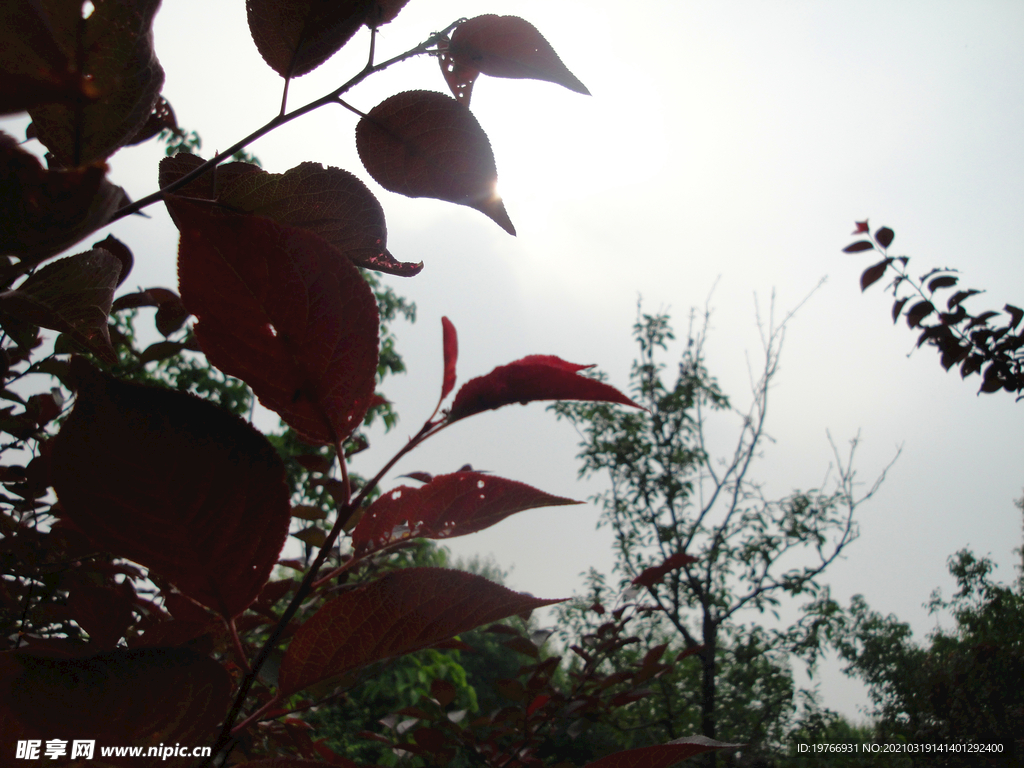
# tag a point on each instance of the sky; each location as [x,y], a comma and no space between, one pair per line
[725,153]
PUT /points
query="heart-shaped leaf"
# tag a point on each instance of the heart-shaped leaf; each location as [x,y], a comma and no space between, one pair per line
[447,506]
[508,46]
[426,144]
[174,483]
[114,50]
[402,612]
[536,377]
[282,310]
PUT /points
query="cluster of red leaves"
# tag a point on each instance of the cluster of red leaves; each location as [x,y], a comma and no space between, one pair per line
[962,338]
[142,477]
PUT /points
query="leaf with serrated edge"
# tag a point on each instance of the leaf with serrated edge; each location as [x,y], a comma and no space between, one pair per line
[662,755]
[508,46]
[73,296]
[535,377]
[281,309]
[447,506]
[426,144]
[174,483]
[114,49]
[402,612]
[295,37]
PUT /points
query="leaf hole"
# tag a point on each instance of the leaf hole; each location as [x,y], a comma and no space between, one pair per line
[479,483]
[395,495]
[272,329]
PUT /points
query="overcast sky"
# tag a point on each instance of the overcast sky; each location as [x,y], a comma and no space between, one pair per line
[728,141]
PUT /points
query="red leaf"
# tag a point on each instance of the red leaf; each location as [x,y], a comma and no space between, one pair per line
[860,245]
[114,50]
[404,611]
[174,483]
[946,281]
[282,310]
[43,212]
[71,295]
[537,703]
[873,274]
[296,36]
[460,78]
[383,11]
[862,227]
[884,237]
[507,46]
[536,377]
[661,756]
[138,697]
[653,575]
[451,356]
[447,506]
[121,252]
[426,144]
[443,692]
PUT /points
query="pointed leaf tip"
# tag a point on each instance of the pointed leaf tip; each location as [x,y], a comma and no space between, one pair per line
[536,377]
[426,144]
[885,236]
[451,356]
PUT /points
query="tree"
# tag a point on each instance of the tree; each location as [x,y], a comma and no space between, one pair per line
[698,535]
[141,527]
[962,686]
[962,338]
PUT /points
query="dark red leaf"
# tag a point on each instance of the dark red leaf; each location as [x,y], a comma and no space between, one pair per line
[653,575]
[105,612]
[72,295]
[460,78]
[174,483]
[113,48]
[537,703]
[860,245]
[507,46]
[946,281]
[45,212]
[383,11]
[661,756]
[982,319]
[404,611]
[296,36]
[451,355]
[162,118]
[426,144]
[862,227]
[443,692]
[873,274]
[897,307]
[536,377]
[884,237]
[919,312]
[447,506]
[282,310]
[139,697]
[121,252]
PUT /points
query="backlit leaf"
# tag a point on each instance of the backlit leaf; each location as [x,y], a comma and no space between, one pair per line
[296,36]
[383,11]
[140,697]
[862,227]
[654,575]
[282,310]
[404,611]
[460,78]
[71,295]
[946,281]
[160,119]
[43,212]
[860,245]
[121,252]
[451,355]
[447,506]
[426,144]
[661,756]
[536,377]
[873,274]
[114,48]
[1016,314]
[507,46]
[174,483]
[884,237]
[897,307]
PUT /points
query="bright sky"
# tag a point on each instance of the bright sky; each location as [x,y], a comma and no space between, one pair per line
[729,141]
